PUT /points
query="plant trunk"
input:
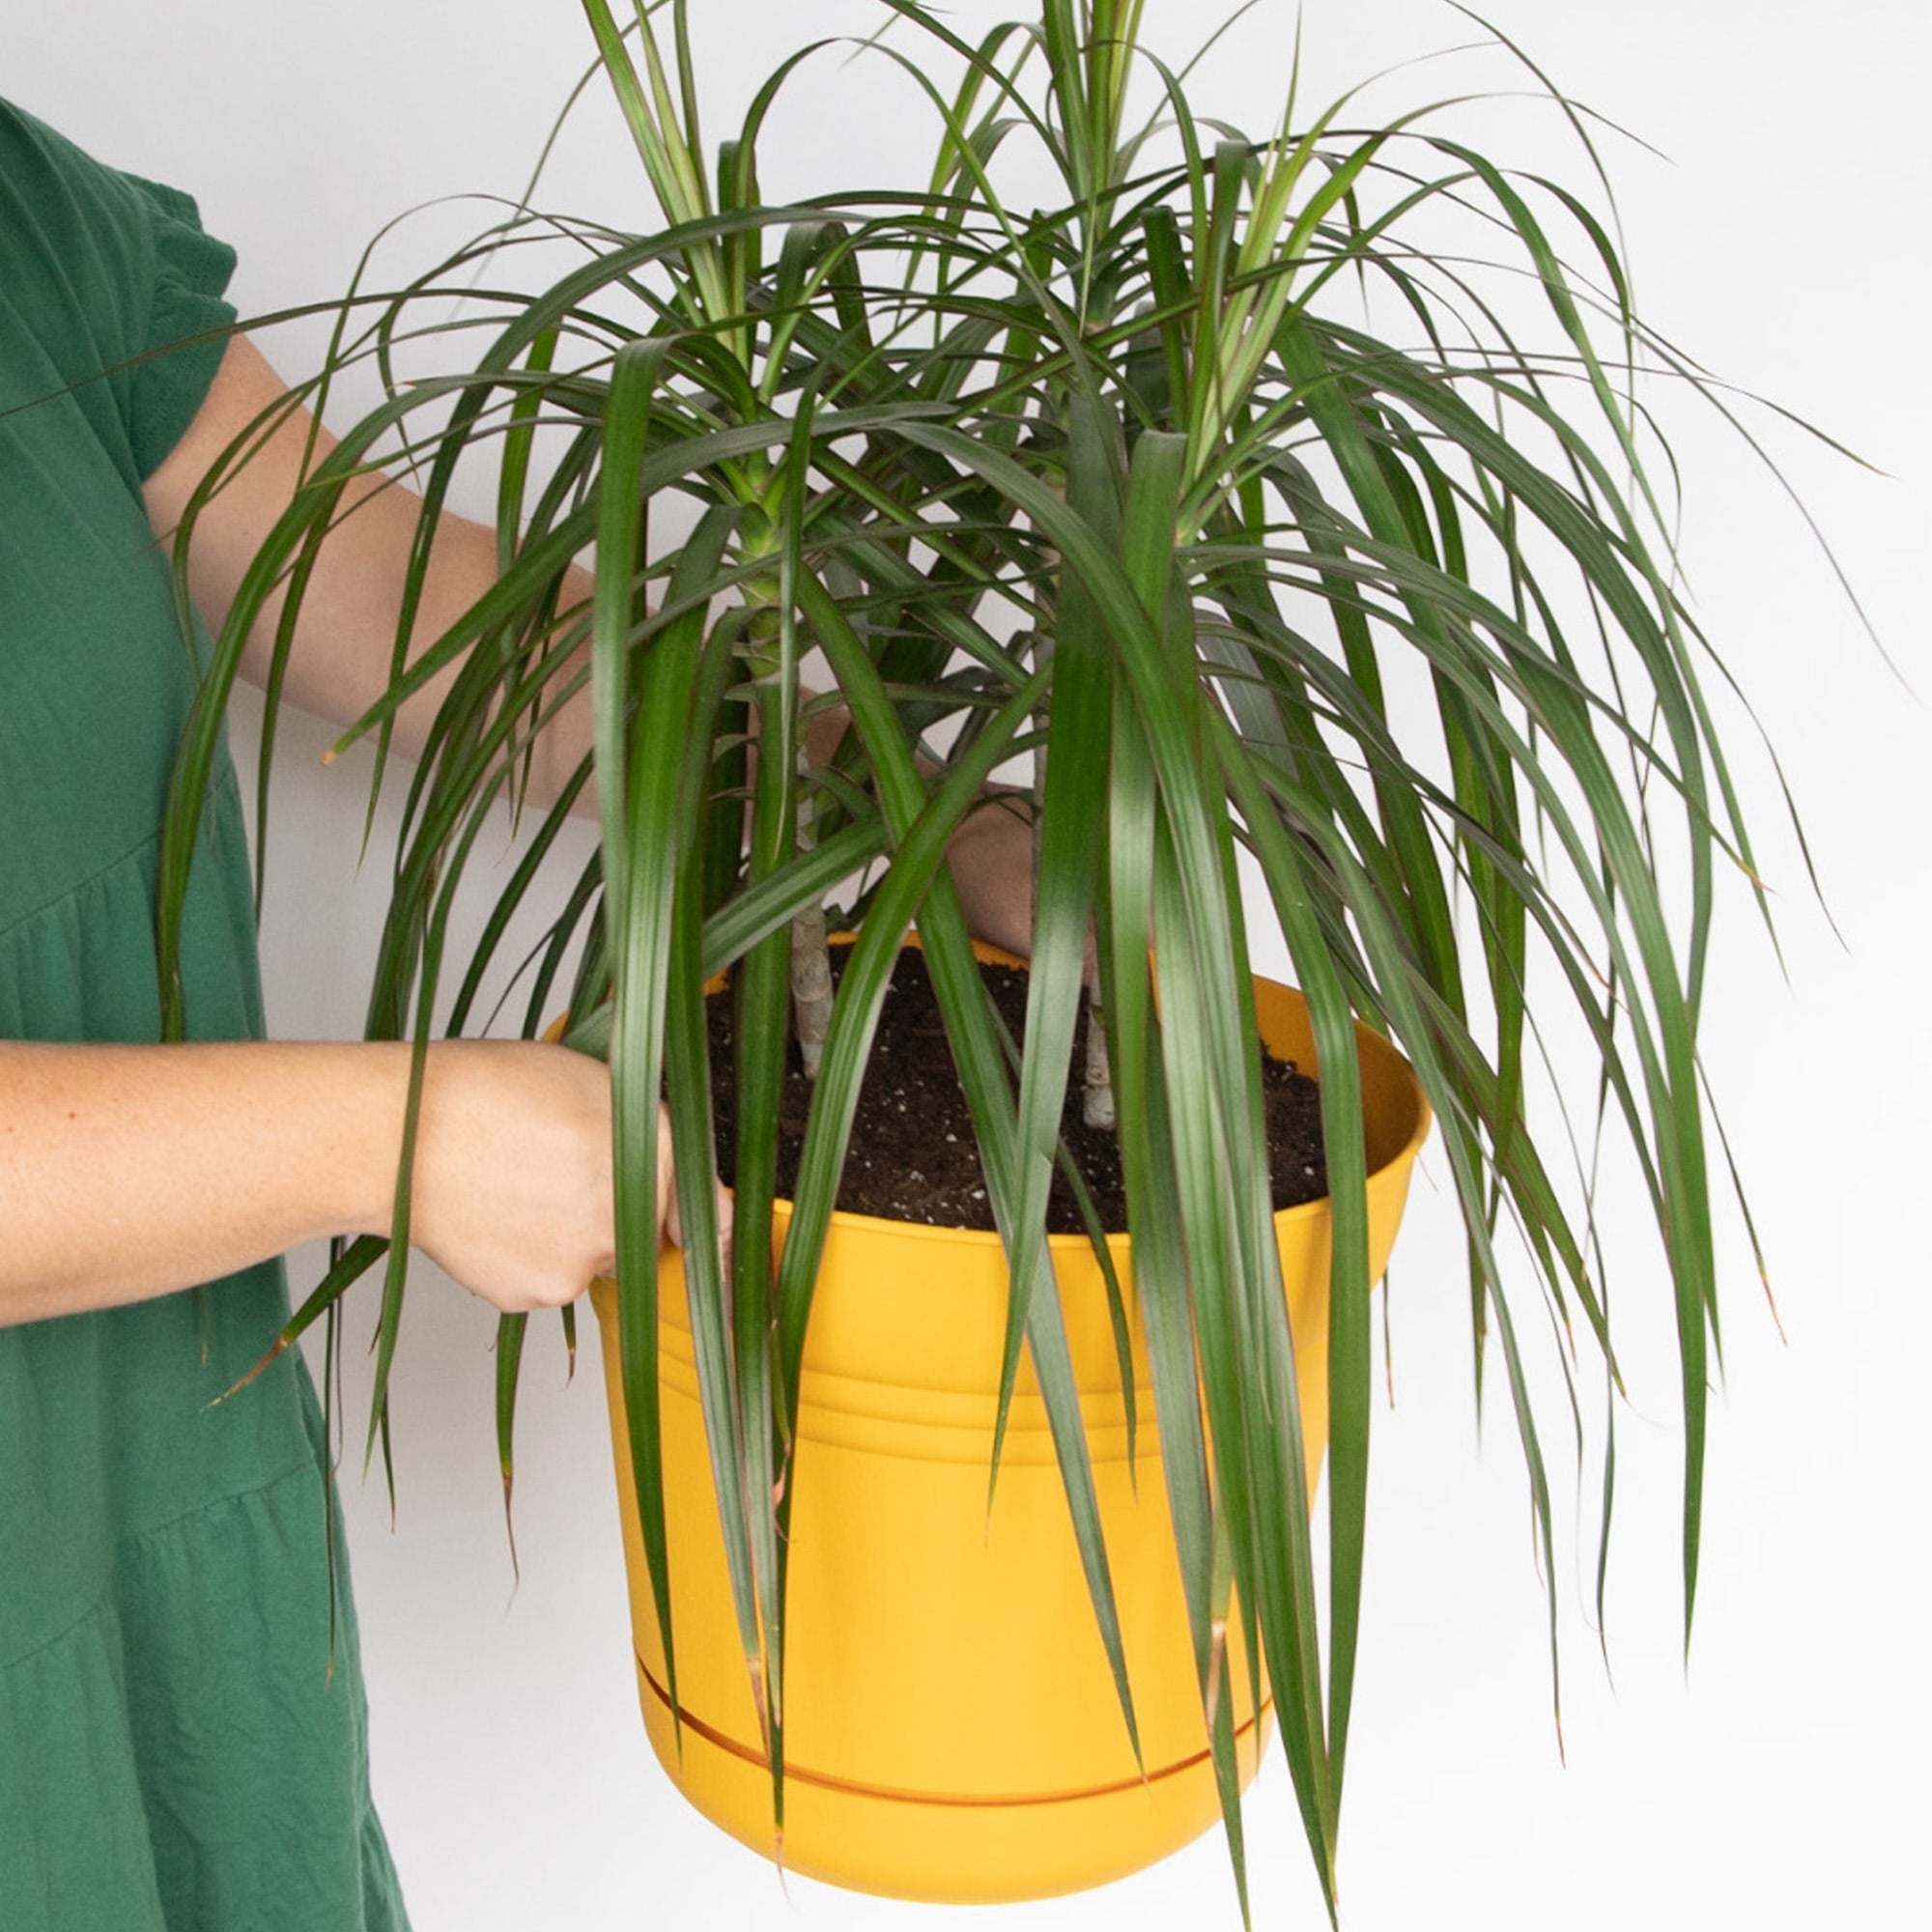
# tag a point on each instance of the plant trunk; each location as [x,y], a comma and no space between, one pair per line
[810,963]
[1096,1096]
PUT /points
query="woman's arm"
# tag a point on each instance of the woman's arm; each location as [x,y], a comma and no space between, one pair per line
[127,1172]
[223,1155]
[339,664]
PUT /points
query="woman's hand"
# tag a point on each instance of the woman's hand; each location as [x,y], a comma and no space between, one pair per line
[512,1190]
[991,857]
[991,861]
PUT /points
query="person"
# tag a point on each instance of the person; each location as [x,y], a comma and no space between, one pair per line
[183,1726]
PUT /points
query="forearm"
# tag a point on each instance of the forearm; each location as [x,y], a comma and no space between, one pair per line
[342,653]
[126,1171]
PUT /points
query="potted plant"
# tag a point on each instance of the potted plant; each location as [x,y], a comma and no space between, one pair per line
[1216,481]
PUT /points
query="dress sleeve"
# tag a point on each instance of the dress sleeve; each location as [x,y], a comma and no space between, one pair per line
[186,324]
[112,292]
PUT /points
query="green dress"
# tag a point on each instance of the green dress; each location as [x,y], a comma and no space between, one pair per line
[182,1721]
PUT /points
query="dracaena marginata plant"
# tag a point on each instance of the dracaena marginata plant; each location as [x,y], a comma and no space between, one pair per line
[1286,496]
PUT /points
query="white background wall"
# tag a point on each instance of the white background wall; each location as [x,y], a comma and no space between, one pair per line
[1781,1783]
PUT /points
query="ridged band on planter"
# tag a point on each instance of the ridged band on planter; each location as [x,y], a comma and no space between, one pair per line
[952,1731]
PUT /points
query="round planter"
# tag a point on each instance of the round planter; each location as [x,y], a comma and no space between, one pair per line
[952,1731]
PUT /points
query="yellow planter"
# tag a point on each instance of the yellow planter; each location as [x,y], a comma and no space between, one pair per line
[953,1729]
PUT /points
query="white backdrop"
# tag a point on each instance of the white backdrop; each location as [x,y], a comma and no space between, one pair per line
[1779,1782]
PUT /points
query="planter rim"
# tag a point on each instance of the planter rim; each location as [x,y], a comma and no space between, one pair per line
[1118,1242]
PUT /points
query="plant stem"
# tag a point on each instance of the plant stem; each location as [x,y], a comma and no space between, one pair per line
[1097,1093]
[810,960]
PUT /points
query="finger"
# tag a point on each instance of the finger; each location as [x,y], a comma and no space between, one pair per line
[674,1224]
[669,1226]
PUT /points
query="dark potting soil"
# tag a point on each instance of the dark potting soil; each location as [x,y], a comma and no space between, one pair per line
[913,1156]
